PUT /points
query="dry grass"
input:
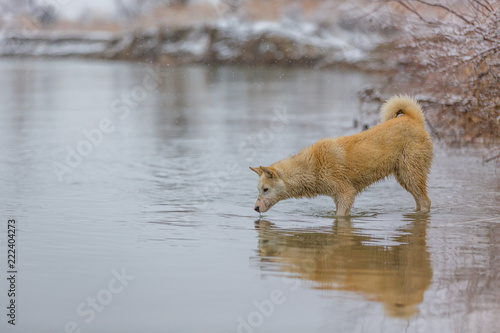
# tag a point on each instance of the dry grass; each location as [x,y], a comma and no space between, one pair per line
[181,15]
[252,10]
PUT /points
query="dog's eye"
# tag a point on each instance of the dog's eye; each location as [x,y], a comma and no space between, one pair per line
[265,189]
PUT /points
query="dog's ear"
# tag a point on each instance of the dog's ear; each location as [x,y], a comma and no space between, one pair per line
[269,172]
[257,170]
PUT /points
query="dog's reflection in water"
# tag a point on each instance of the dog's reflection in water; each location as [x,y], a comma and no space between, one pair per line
[343,258]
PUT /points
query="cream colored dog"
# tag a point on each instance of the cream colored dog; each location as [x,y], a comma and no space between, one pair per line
[342,167]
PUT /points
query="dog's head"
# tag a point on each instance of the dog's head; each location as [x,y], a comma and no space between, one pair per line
[271,188]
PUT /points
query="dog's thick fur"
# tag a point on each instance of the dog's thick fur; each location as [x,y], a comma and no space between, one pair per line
[342,167]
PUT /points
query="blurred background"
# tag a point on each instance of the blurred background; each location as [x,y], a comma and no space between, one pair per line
[445,52]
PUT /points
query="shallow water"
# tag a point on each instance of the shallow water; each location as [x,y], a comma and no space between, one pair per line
[152,228]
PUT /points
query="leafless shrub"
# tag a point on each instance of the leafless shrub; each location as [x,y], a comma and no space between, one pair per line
[454,50]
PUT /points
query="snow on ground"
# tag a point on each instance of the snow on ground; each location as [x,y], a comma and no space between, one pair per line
[225,40]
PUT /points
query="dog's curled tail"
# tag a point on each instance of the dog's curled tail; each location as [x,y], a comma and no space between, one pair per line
[402,104]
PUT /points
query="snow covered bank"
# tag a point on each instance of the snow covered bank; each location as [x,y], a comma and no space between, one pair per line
[228,41]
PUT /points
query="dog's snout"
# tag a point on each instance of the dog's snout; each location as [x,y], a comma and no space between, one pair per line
[257,209]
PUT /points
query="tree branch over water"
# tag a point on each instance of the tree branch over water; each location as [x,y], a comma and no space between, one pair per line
[454,48]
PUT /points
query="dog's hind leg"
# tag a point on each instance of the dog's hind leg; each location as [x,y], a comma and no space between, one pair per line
[414,181]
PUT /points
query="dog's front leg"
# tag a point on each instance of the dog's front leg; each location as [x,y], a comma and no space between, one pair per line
[343,202]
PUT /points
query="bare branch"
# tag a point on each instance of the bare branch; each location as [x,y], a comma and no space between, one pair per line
[459,54]
[490,6]
[413,10]
[446,8]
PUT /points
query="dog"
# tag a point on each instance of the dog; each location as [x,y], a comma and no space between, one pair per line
[343,167]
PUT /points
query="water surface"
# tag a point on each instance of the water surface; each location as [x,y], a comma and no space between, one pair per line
[151,227]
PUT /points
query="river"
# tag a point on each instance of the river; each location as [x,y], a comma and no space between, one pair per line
[133,206]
